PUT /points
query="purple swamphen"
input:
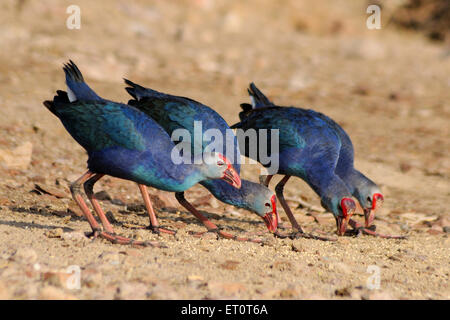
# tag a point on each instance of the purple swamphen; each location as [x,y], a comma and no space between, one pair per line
[175,112]
[123,142]
[308,148]
[361,187]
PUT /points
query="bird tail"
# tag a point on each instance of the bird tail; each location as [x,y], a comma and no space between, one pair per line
[259,100]
[60,98]
[139,92]
[77,89]
[256,97]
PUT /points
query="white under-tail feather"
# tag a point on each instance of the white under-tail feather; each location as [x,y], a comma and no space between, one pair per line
[252,99]
[71,95]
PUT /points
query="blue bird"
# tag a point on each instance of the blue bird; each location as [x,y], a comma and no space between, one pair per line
[308,148]
[123,142]
[173,113]
[361,187]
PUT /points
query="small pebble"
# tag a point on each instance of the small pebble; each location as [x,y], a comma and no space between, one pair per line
[54,233]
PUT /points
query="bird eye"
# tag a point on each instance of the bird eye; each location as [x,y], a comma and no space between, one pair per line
[220,163]
[267,204]
[369,199]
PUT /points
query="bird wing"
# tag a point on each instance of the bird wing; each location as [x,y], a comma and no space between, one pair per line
[175,112]
[266,118]
[101,124]
[171,112]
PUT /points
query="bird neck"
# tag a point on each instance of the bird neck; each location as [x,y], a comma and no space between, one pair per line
[178,179]
[355,181]
[328,188]
[225,192]
[351,178]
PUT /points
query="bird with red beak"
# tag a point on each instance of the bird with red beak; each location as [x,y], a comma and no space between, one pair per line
[370,199]
[175,112]
[309,148]
[342,210]
[361,187]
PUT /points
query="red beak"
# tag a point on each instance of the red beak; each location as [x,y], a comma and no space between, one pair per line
[369,214]
[348,208]
[232,177]
[271,218]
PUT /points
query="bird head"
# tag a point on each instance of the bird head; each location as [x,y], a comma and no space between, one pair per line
[370,199]
[342,209]
[216,166]
[261,200]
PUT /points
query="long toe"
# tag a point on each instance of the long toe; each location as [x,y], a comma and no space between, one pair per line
[370,232]
[226,235]
[300,234]
[159,230]
[114,238]
[359,229]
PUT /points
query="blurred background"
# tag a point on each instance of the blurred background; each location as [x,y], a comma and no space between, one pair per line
[389,88]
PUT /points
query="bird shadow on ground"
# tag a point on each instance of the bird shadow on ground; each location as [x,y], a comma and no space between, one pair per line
[28,225]
[222,220]
[46,212]
[165,214]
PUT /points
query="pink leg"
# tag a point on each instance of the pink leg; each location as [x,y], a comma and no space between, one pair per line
[208,224]
[89,189]
[299,231]
[75,189]
[154,225]
[279,191]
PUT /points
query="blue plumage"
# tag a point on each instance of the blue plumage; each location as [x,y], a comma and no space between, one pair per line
[308,148]
[361,187]
[174,112]
[124,142]
[76,87]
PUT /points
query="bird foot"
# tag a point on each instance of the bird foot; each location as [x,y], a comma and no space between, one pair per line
[225,235]
[301,234]
[158,230]
[369,232]
[94,234]
[116,239]
[359,229]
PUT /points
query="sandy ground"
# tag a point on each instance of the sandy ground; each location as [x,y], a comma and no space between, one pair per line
[388,88]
